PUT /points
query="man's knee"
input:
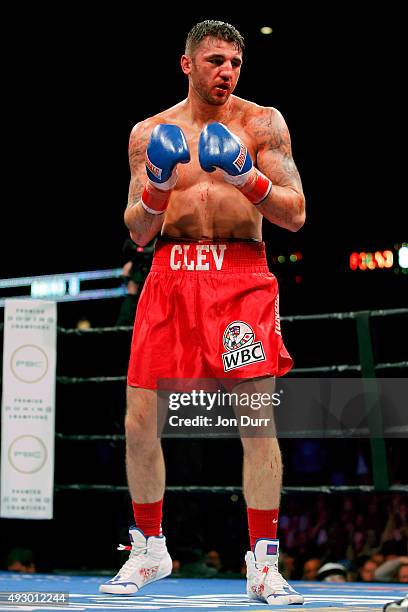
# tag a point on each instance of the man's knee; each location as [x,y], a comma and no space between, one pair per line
[141,417]
[260,446]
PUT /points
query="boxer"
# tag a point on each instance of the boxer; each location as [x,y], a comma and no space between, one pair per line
[204,175]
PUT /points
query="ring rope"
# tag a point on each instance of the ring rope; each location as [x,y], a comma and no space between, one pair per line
[68,380]
[328,489]
[309,433]
[290,318]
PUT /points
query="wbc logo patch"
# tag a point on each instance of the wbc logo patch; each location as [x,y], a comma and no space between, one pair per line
[238,340]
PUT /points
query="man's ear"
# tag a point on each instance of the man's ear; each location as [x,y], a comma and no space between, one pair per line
[185,63]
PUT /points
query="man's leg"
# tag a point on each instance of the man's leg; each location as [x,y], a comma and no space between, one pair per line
[262,465]
[144,460]
[262,483]
[149,559]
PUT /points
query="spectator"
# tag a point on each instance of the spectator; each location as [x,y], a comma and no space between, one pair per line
[332,572]
[377,558]
[389,571]
[212,559]
[310,568]
[402,575]
[133,285]
[367,571]
[176,568]
[134,274]
[21,560]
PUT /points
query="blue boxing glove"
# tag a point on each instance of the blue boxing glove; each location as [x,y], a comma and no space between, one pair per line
[167,148]
[220,148]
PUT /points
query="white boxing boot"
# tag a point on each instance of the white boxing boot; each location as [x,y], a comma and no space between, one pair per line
[148,561]
[264,582]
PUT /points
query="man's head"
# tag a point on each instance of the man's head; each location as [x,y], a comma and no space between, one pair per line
[212,60]
[367,571]
[403,574]
[378,558]
[212,559]
[214,29]
[310,568]
[332,572]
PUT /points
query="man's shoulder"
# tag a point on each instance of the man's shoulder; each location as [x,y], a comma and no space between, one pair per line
[254,111]
[169,115]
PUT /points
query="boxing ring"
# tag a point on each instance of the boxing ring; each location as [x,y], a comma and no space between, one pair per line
[366,368]
[176,593]
[180,595]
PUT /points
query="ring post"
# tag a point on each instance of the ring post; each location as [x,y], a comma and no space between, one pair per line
[377,443]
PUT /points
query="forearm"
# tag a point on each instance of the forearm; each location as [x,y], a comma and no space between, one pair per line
[386,571]
[143,226]
[285,207]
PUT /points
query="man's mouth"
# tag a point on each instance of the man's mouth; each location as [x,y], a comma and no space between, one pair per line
[222,87]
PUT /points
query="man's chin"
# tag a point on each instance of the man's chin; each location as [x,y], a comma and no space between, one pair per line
[219,100]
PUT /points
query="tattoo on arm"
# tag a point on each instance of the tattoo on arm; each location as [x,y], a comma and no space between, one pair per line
[275,151]
[137,150]
[135,190]
[291,170]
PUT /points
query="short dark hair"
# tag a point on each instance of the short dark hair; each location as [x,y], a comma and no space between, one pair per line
[216,29]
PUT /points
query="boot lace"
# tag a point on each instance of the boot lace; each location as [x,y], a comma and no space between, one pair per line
[134,559]
[271,577]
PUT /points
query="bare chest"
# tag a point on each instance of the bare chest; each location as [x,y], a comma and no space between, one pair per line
[192,174]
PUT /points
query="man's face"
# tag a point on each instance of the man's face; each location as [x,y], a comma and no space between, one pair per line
[403,574]
[213,70]
[367,571]
[310,569]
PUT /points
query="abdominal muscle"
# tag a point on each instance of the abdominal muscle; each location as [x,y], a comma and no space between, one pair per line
[208,207]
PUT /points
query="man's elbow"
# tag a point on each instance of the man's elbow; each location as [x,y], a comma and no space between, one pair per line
[139,239]
[297,223]
[298,220]
[135,235]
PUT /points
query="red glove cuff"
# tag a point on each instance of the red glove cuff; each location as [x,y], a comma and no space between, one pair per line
[153,200]
[257,188]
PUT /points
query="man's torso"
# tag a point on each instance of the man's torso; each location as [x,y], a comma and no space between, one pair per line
[203,205]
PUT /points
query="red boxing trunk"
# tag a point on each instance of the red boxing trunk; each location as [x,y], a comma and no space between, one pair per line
[209,309]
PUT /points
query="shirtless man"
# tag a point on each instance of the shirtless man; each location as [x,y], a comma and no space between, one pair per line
[204,173]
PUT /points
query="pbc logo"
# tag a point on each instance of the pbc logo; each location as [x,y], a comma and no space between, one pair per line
[157,172]
[240,160]
[238,339]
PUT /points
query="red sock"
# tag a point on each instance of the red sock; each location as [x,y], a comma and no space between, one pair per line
[148,517]
[262,524]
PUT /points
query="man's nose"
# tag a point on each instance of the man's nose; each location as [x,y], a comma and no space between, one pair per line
[226,70]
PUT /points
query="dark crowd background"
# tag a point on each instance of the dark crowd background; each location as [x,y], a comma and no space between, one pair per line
[76,81]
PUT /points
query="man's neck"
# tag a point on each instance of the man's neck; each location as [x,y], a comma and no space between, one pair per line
[200,112]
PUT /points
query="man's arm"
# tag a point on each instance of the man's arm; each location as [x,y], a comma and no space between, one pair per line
[285,203]
[142,225]
[388,570]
